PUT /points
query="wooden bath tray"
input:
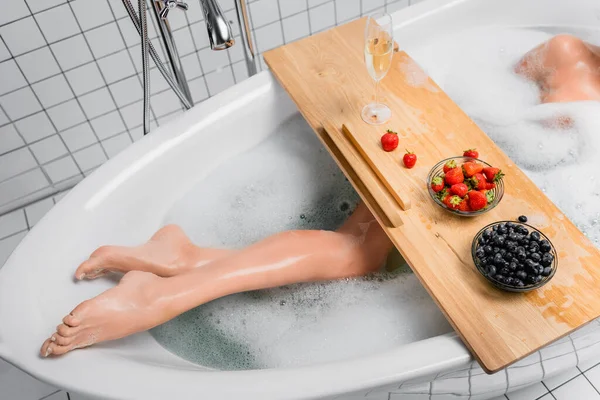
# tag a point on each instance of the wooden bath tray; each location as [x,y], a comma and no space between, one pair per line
[326,76]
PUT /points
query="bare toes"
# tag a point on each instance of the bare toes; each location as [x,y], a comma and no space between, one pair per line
[66,331]
[71,320]
[46,350]
[61,340]
[57,350]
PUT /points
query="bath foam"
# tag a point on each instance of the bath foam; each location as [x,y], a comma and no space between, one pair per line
[555,144]
[289,182]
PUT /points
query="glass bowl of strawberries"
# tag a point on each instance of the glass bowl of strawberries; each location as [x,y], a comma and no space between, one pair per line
[465,186]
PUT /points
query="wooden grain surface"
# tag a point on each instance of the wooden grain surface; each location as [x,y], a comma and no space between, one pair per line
[326,76]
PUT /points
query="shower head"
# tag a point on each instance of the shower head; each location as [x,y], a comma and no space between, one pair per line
[219,30]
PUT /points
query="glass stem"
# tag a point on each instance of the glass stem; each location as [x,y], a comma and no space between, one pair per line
[376,92]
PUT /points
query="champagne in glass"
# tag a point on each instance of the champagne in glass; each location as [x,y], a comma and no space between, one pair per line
[379,50]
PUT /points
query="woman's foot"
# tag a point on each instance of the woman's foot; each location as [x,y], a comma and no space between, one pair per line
[135,305]
[565,68]
[168,253]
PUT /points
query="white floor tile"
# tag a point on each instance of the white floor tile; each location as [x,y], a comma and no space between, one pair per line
[594,376]
[12,223]
[529,393]
[17,385]
[578,388]
[7,246]
[561,378]
[36,211]
[585,365]
[547,397]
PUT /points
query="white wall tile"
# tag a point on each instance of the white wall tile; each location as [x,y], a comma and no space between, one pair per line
[132,114]
[40,5]
[3,118]
[347,10]
[85,78]
[10,385]
[396,5]
[560,378]
[37,210]
[35,127]
[314,3]
[263,12]
[191,67]
[185,44]
[13,10]
[12,223]
[78,137]
[38,64]
[165,103]
[578,388]
[200,34]
[20,103]
[9,138]
[296,27]
[66,115]
[72,52]
[12,78]
[116,66]
[97,103]
[198,90]
[58,396]
[240,71]
[105,40]
[16,162]
[126,91]
[289,7]
[116,144]
[90,157]
[53,90]
[268,37]
[129,32]
[57,23]
[531,392]
[61,169]
[48,149]
[322,17]
[212,60]
[219,80]
[371,5]
[22,185]
[22,36]
[4,53]
[92,13]
[108,125]
[158,83]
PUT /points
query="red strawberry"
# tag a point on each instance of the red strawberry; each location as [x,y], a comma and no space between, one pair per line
[459,189]
[452,202]
[471,153]
[464,206]
[449,165]
[490,186]
[478,182]
[454,176]
[443,194]
[389,141]
[410,159]
[477,200]
[492,174]
[471,168]
[437,184]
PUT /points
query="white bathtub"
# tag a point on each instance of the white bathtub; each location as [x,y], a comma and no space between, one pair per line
[125,200]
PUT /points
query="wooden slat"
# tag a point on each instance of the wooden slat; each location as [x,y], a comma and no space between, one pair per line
[325,75]
[381,195]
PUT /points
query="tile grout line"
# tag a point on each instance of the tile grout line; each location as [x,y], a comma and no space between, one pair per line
[590,382]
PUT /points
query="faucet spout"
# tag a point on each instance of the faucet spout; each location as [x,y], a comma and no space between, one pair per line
[219,30]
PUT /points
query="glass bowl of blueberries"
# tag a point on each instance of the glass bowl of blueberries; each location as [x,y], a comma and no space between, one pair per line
[514,256]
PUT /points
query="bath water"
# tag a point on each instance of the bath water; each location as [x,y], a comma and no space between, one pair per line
[290,182]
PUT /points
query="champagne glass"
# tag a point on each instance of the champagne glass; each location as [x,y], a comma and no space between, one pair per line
[379,50]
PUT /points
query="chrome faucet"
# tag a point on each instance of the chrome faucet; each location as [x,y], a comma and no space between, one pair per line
[219,34]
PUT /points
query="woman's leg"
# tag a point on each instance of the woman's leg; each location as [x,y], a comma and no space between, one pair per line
[143,300]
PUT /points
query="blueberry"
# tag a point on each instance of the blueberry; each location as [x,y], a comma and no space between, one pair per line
[531,265]
[536,257]
[502,252]
[491,270]
[547,259]
[513,236]
[498,260]
[523,230]
[499,241]
[495,228]
[499,278]
[534,247]
[488,250]
[545,246]
[519,283]
[510,225]
[512,266]
[504,271]
[521,275]
[509,280]
[538,279]
[502,229]
[522,219]
[482,240]
[496,250]
[547,271]
[486,234]
[508,256]
[521,255]
[535,236]
[480,253]
[523,241]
